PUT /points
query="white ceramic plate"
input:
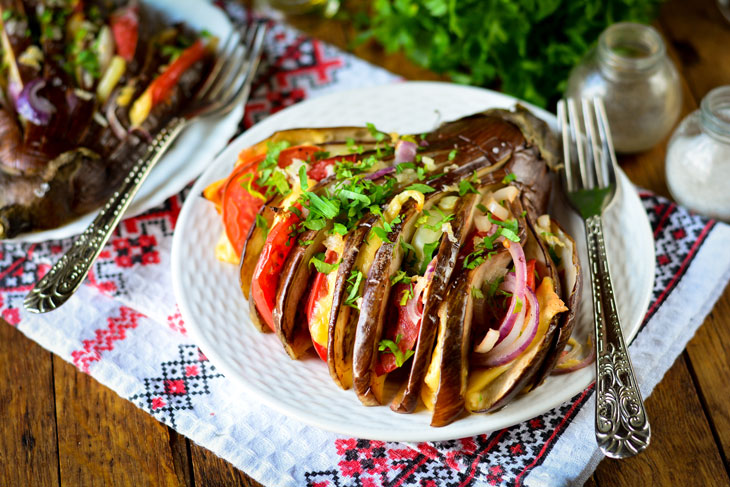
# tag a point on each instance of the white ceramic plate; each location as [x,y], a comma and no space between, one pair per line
[194,149]
[216,314]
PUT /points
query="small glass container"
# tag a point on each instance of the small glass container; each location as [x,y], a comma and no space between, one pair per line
[698,157]
[639,84]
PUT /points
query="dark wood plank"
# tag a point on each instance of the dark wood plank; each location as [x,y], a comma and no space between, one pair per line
[212,471]
[105,440]
[709,353]
[28,448]
[682,451]
[701,36]
[181,460]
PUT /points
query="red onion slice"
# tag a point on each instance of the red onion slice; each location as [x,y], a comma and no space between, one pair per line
[509,349]
[33,107]
[380,173]
[415,305]
[569,361]
[111,116]
[405,151]
[517,287]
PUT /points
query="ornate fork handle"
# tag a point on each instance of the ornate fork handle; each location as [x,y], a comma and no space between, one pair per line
[622,427]
[68,273]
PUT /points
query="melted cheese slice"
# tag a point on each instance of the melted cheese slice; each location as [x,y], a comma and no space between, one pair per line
[550,305]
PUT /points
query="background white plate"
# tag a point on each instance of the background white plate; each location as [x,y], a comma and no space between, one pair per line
[216,314]
[194,148]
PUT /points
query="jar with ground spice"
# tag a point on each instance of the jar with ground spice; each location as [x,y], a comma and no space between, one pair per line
[698,157]
[640,86]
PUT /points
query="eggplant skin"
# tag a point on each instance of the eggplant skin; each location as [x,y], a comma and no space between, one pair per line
[407,398]
[343,318]
[571,296]
[456,317]
[376,294]
[289,318]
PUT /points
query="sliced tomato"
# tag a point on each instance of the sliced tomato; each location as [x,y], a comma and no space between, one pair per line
[238,206]
[125,28]
[404,327]
[531,274]
[162,86]
[268,268]
[319,291]
[318,169]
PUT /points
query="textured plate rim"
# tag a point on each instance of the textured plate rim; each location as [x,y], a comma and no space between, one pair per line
[429,433]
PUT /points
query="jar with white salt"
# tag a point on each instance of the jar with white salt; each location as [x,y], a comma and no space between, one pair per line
[698,157]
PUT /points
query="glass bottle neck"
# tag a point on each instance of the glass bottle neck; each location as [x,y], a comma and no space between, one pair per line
[715,113]
[629,50]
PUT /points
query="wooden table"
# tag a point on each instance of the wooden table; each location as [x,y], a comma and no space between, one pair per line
[60,427]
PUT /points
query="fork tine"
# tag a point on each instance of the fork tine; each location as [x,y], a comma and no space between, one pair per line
[577,133]
[240,89]
[226,76]
[595,152]
[606,139]
[245,72]
[565,130]
[221,58]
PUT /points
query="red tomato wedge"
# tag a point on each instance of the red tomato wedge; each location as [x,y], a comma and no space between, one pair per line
[238,206]
[268,268]
[162,86]
[531,274]
[318,169]
[125,29]
[407,329]
[319,291]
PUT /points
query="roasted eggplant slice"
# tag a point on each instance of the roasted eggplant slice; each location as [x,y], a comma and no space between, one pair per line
[563,254]
[434,292]
[344,311]
[376,292]
[289,320]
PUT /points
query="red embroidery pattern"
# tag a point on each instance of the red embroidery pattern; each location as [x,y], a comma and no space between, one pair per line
[105,338]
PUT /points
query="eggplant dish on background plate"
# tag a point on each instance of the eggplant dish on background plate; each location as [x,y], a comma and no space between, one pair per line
[425,260]
[85,84]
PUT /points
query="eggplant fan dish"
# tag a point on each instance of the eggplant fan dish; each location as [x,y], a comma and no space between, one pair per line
[85,85]
[428,261]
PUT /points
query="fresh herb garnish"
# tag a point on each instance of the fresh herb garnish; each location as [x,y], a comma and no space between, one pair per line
[353,289]
[467,185]
[270,178]
[377,135]
[392,347]
[428,250]
[319,263]
[262,224]
[553,255]
[452,154]
[509,178]
[477,293]
[423,188]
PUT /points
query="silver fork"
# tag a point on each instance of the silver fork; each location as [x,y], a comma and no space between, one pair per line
[227,85]
[622,426]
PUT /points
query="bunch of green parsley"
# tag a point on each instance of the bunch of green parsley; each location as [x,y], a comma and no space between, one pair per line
[522,47]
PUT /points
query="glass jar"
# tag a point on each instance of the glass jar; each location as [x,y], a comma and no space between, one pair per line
[640,87]
[698,157]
